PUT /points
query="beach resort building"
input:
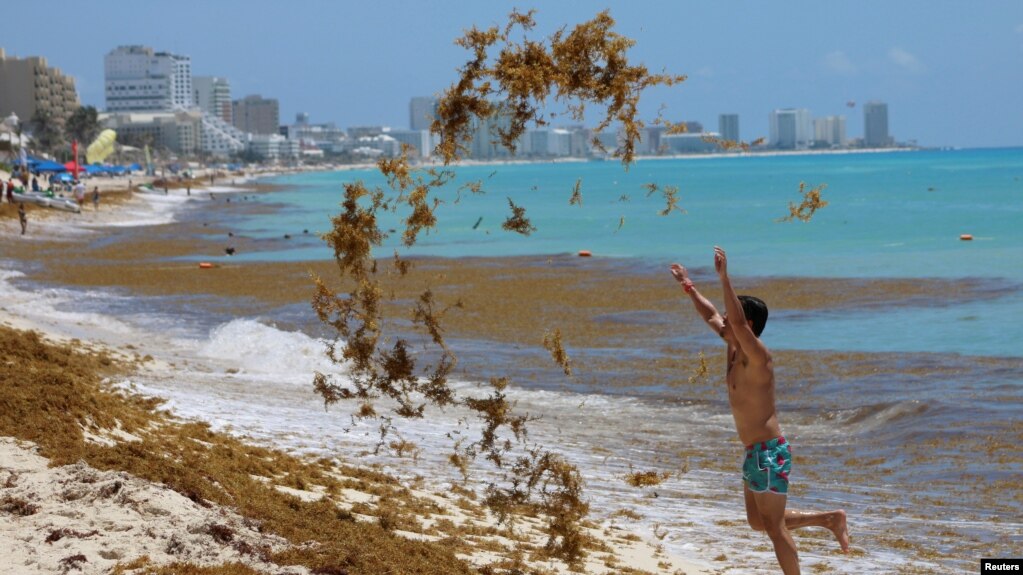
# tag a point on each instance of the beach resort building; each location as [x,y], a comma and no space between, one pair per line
[875,125]
[421,112]
[314,139]
[728,125]
[179,131]
[28,85]
[273,147]
[546,143]
[791,129]
[257,115]
[421,141]
[609,140]
[220,138]
[375,146]
[139,79]
[486,139]
[829,131]
[689,143]
[213,96]
[650,142]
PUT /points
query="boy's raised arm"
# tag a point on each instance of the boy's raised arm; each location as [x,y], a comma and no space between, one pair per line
[754,349]
[703,306]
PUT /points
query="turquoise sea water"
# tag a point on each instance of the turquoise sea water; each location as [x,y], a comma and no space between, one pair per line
[889,215]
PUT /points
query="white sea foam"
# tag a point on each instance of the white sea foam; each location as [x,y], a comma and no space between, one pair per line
[53,310]
[263,351]
[151,211]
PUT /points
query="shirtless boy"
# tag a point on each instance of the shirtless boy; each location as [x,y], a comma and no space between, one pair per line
[750,380]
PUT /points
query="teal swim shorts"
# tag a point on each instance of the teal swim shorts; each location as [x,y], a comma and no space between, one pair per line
[766,466]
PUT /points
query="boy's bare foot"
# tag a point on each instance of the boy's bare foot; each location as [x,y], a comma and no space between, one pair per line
[836,523]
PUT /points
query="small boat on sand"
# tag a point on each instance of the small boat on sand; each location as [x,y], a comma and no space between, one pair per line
[45,201]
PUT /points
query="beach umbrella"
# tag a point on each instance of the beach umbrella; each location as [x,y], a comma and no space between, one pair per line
[42,166]
[73,167]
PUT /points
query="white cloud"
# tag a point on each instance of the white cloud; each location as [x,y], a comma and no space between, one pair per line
[840,63]
[905,60]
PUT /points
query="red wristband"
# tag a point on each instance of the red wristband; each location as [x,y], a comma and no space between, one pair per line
[687,287]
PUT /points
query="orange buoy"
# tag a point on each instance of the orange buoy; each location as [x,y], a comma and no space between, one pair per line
[205,265]
[966,237]
[584,253]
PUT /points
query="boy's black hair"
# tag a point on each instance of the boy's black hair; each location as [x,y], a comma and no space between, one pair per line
[755,310]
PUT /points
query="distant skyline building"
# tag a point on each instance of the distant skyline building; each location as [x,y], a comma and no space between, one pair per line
[486,140]
[419,140]
[28,85]
[875,125]
[728,126]
[179,131]
[316,139]
[257,115]
[213,95]
[688,143]
[829,130]
[791,129]
[651,144]
[138,79]
[422,111]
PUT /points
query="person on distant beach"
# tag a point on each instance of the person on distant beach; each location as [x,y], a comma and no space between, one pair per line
[95,198]
[3,190]
[22,218]
[10,191]
[749,377]
[80,193]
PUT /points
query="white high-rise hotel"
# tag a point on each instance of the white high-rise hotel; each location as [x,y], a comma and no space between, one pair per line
[791,129]
[139,79]
[213,96]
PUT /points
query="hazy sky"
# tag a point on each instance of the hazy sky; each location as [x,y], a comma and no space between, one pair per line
[951,72]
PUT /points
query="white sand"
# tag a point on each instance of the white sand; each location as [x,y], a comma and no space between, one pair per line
[77,519]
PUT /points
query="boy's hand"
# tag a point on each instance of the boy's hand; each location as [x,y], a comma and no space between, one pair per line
[720,262]
[682,276]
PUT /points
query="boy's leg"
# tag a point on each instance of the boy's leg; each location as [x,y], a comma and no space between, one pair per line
[772,514]
[834,521]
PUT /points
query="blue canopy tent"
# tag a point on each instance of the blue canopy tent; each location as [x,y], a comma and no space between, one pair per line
[39,165]
[134,167]
[46,166]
